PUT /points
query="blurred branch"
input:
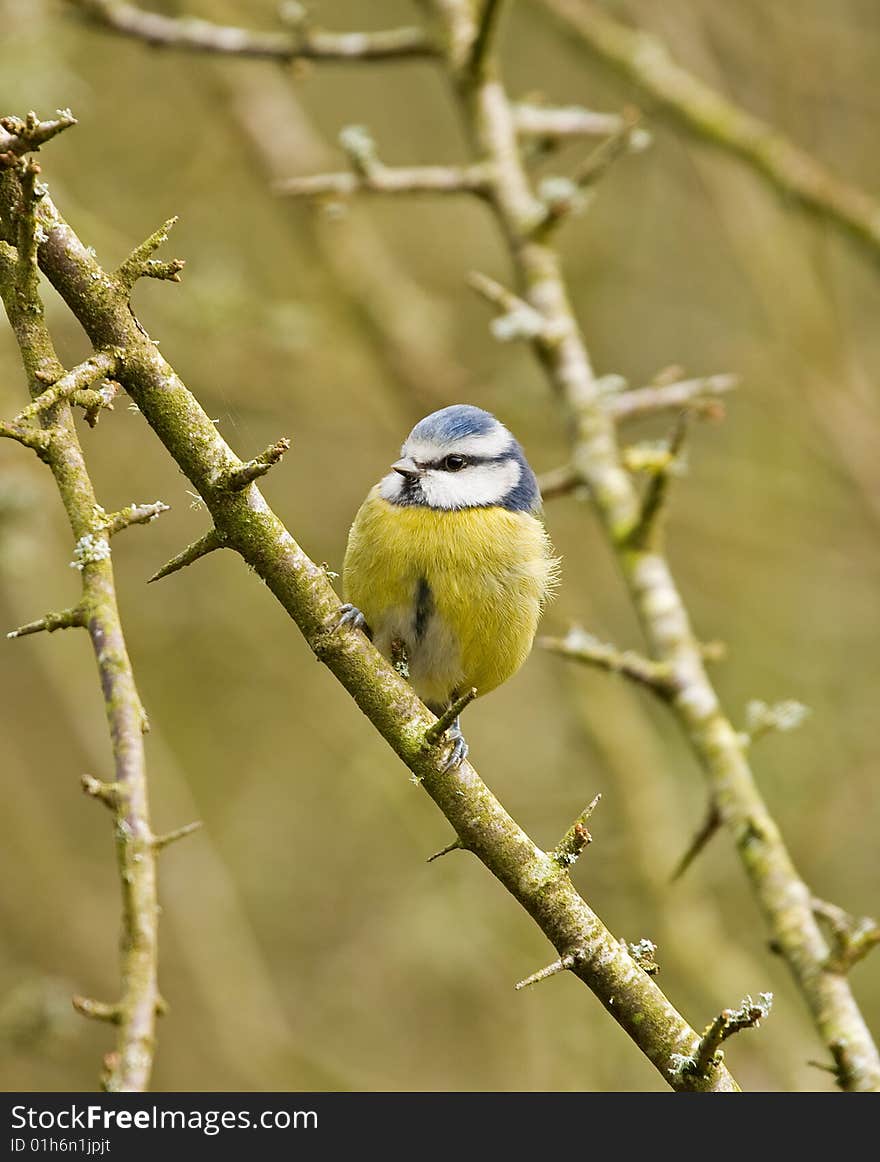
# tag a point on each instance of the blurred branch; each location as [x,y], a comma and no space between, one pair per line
[406,327]
[481,44]
[597,461]
[581,646]
[695,106]
[698,394]
[383,179]
[301,43]
[21,212]
[548,121]
[853,937]
[248,525]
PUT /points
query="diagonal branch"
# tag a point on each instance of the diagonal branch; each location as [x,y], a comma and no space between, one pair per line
[248,525]
[698,108]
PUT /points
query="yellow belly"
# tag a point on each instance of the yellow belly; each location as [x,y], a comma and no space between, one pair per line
[463,590]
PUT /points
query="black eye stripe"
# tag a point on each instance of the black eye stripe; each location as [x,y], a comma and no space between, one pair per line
[469,461]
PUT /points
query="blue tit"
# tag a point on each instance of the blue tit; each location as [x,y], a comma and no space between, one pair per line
[449,558]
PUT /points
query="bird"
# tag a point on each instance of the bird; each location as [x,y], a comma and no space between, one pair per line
[448,559]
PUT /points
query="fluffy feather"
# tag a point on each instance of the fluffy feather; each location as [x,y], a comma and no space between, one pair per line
[461,588]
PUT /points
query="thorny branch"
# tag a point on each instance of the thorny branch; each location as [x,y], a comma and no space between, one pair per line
[245,523]
[540,311]
[129,1066]
[598,467]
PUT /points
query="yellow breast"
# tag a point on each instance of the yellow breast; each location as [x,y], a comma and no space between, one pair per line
[463,590]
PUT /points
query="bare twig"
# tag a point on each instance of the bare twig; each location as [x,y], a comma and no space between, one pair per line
[162,841]
[708,1057]
[580,646]
[646,534]
[141,264]
[562,965]
[554,122]
[106,793]
[695,106]
[64,619]
[456,845]
[699,394]
[134,514]
[205,36]
[481,46]
[710,826]
[382,179]
[561,481]
[435,732]
[19,136]
[854,937]
[97,366]
[572,844]
[207,543]
[238,478]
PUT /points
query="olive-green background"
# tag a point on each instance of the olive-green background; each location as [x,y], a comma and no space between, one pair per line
[305,943]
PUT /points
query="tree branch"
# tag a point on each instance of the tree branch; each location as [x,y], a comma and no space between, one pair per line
[64,619]
[695,106]
[302,43]
[209,542]
[571,846]
[247,524]
[597,461]
[555,122]
[698,394]
[382,179]
[97,366]
[481,48]
[580,646]
[22,218]
[708,1057]
[245,474]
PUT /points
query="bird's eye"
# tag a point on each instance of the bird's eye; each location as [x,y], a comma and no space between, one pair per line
[454,463]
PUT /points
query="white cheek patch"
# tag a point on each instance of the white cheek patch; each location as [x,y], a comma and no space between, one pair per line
[391,487]
[481,484]
[486,446]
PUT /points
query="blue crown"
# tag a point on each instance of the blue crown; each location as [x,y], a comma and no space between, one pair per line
[454,422]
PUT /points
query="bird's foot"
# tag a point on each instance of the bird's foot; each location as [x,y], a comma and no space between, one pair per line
[459,750]
[351,615]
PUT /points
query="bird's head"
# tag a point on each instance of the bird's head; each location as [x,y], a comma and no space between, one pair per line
[462,457]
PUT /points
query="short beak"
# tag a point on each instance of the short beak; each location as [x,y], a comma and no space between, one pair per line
[407,467]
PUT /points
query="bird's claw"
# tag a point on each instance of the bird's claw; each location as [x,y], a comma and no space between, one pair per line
[351,615]
[459,750]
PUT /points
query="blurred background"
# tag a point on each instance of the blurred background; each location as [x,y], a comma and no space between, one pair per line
[305,942]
